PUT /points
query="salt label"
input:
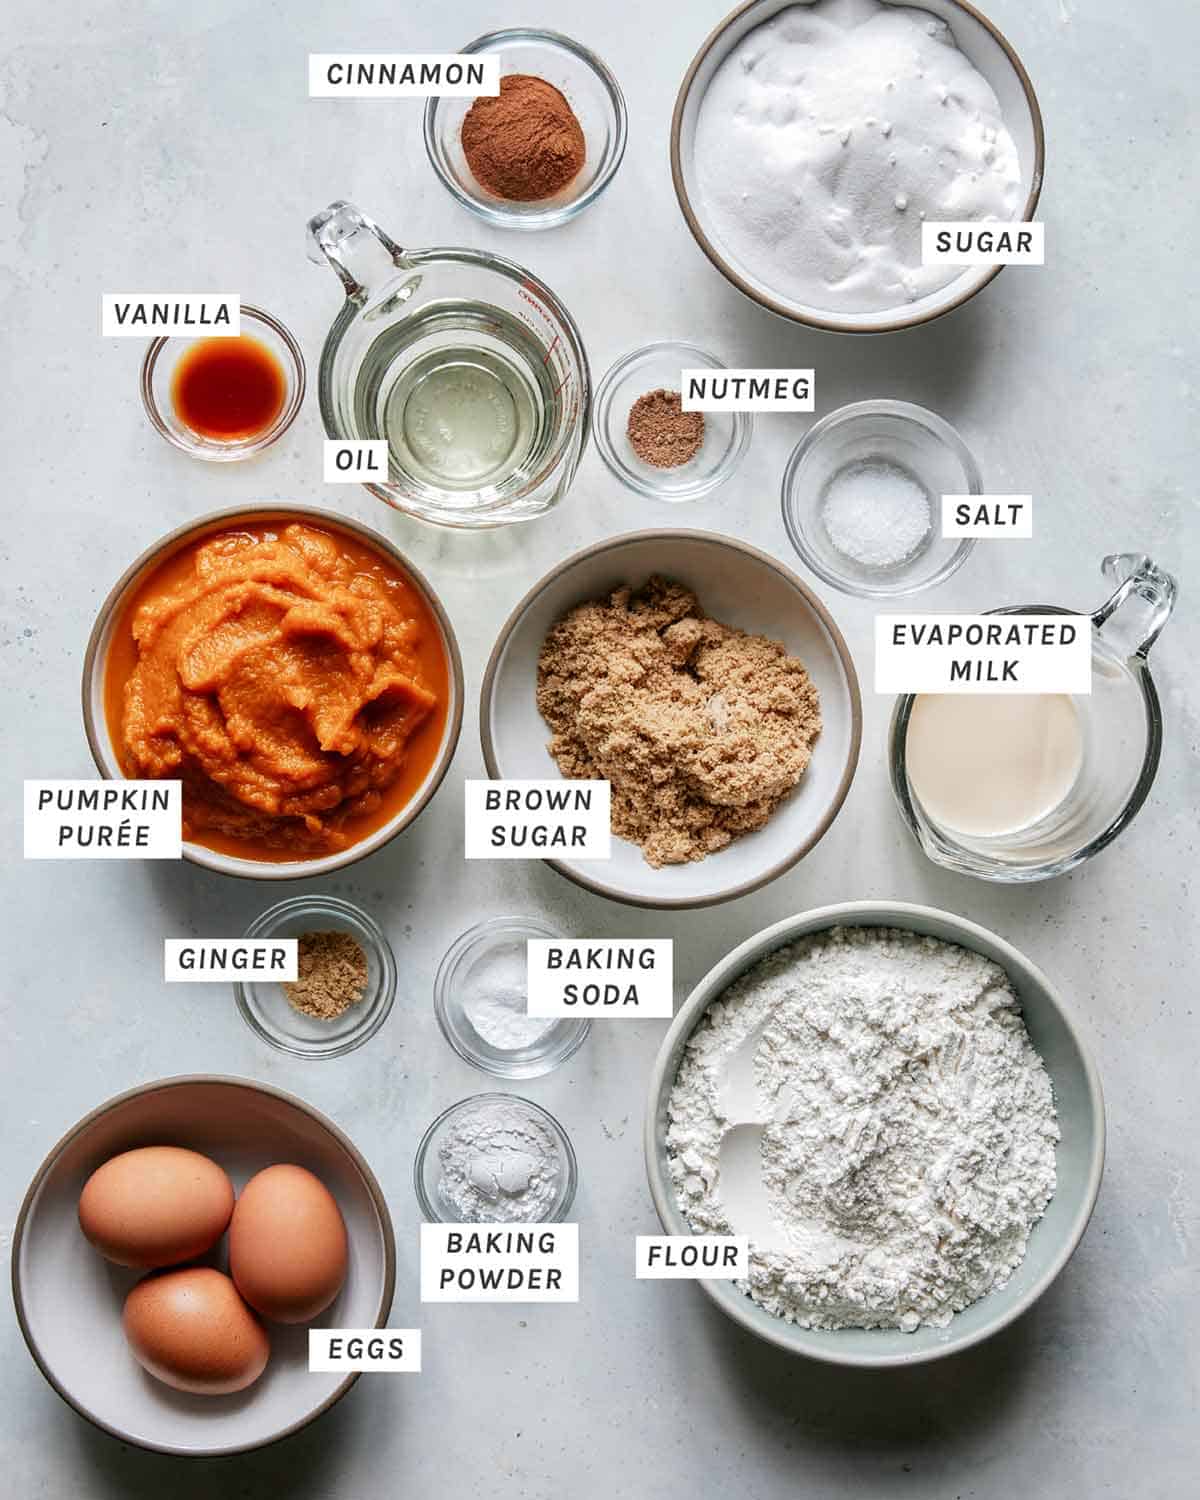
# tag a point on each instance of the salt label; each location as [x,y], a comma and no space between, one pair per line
[529,819]
[140,315]
[402,75]
[355,461]
[747,390]
[91,819]
[379,1351]
[208,960]
[1026,653]
[494,1263]
[993,516]
[600,977]
[971,242]
[692,1257]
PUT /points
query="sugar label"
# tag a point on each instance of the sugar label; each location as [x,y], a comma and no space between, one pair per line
[1034,653]
[377,1351]
[747,390]
[692,1257]
[973,242]
[402,75]
[103,819]
[208,960]
[140,315]
[355,462]
[488,1263]
[601,977]
[993,516]
[529,819]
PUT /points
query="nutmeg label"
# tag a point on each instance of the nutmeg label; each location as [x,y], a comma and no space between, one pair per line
[747,390]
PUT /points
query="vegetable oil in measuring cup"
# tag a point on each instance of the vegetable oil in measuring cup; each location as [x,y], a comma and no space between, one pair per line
[461,393]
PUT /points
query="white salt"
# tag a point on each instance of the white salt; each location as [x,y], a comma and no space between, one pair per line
[875,513]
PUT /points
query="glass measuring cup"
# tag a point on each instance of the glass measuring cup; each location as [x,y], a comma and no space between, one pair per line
[1121,725]
[467,366]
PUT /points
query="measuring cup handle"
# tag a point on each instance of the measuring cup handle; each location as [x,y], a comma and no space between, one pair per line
[354,245]
[1153,589]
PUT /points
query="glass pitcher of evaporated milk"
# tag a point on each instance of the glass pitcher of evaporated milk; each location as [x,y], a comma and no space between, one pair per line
[468,367]
[1022,787]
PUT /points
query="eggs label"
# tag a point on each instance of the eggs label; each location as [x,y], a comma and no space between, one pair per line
[489,1263]
[207,960]
[1025,653]
[538,819]
[93,819]
[600,977]
[699,1257]
[381,1351]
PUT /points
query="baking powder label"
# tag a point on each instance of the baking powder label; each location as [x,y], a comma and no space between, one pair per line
[1046,653]
[402,75]
[207,960]
[601,977]
[499,1263]
[692,1257]
[103,819]
[974,242]
[993,516]
[538,819]
[139,315]
[356,461]
[747,390]
[380,1351]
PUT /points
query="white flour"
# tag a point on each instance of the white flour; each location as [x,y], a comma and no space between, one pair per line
[866,1104]
[499,1165]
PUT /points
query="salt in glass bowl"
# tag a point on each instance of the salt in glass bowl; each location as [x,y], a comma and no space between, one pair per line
[158,370]
[588,87]
[657,367]
[427,1168]
[265,1007]
[487,950]
[902,436]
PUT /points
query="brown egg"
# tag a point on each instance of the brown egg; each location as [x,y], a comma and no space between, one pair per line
[287,1245]
[191,1330]
[156,1206]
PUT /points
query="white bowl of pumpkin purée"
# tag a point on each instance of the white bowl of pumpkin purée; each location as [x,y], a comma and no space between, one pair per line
[294,671]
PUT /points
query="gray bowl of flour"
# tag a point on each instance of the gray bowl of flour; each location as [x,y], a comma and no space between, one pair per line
[1078,1153]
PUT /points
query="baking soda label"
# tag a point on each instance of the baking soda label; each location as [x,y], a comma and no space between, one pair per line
[377,1351]
[602,977]
[402,75]
[499,1262]
[103,819]
[141,315]
[692,1257]
[356,461]
[1027,653]
[993,516]
[747,390]
[538,819]
[971,242]
[208,960]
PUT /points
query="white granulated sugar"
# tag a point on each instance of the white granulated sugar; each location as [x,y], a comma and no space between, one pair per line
[499,1164]
[875,513]
[830,133]
[866,1104]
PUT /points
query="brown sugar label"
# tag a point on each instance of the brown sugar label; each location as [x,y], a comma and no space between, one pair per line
[529,819]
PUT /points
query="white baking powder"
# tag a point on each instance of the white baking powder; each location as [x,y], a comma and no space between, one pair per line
[867,1106]
[826,137]
[500,1164]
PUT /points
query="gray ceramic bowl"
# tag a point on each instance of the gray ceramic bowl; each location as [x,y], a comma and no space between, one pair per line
[1080,1155]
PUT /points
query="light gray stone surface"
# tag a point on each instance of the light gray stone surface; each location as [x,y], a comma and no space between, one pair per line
[161,145]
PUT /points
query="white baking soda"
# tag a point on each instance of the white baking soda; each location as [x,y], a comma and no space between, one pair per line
[830,133]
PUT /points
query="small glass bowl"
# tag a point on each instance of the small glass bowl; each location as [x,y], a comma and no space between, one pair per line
[494,946]
[907,437]
[591,91]
[427,1169]
[268,1012]
[158,370]
[652,368]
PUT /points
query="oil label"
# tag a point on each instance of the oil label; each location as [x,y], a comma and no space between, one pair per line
[207,960]
[1026,653]
[499,1263]
[379,1351]
[526,819]
[747,390]
[103,819]
[402,75]
[692,1257]
[994,516]
[139,315]
[355,461]
[601,977]
[971,242]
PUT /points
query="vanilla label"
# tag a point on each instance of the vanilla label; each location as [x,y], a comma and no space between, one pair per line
[402,75]
[379,1351]
[747,390]
[525,819]
[497,1263]
[973,242]
[147,314]
[600,977]
[692,1257]
[355,461]
[993,516]
[206,960]
[103,819]
[1034,653]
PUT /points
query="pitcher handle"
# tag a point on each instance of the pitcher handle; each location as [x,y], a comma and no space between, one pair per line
[1139,578]
[355,246]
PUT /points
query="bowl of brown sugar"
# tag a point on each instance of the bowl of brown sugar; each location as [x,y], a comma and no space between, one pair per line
[546,146]
[707,684]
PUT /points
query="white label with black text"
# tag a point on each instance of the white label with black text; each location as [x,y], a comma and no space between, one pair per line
[747,390]
[493,1263]
[973,242]
[103,819]
[207,960]
[692,1257]
[601,977]
[355,462]
[538,819]
[139,314]
[993,516]
[402,75]
[1045,653]
[378,1351]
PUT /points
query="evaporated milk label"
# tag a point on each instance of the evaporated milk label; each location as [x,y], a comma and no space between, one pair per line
[499,1263]
[528,819]
[993,516]
[206,960]
[378,1351]
[1047,653]
[149,314]
[974,242]
[692,1257]
[600,977]
[747,390]
[402,75]
[103,819]
[355,461]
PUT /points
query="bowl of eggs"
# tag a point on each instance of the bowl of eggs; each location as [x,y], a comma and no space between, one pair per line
[173,1250]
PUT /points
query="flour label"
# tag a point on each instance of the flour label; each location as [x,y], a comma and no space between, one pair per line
[103,819]
[141,315]
[495,1263]
[538,819]
[692,1257]
[600,977]
[379,1351]
[747,390]
[973,242]
[1042,653]
[992,516]
[402,75]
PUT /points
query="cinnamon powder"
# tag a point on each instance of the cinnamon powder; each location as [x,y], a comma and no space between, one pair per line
[524,143]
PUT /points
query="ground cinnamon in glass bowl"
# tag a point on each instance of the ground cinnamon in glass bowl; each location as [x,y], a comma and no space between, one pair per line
[525,143]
